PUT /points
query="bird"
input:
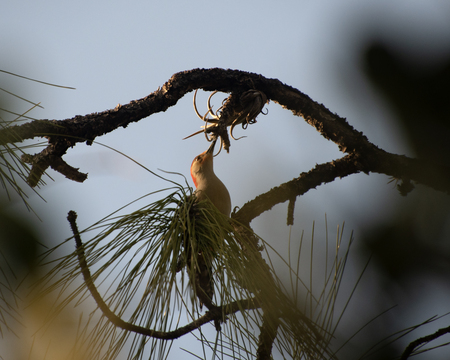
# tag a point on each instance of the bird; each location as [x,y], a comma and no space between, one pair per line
[208,186]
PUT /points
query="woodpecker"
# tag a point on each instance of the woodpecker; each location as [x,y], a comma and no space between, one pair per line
[208,186]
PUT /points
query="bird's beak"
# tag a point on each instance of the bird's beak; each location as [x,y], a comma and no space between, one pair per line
[211,147]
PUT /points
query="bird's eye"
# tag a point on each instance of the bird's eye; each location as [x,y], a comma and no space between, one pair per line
[198,158]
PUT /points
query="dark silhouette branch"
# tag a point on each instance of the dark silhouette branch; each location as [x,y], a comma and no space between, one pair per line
[323,173]
[216,313]
[374,160]
[51,157]
[86,128]
[423,340]
[290,214]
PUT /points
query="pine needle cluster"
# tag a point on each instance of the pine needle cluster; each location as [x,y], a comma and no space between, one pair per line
[144,266]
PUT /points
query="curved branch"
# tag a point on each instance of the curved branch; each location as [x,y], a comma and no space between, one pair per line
[214,314]
[88,127]
[330,125]
[373,160]
[323,173]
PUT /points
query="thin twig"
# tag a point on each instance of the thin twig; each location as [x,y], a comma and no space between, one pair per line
[423,340]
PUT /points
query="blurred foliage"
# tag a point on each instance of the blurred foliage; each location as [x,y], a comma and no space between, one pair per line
[18,243]
[19,246]
[413,245]
[420,96]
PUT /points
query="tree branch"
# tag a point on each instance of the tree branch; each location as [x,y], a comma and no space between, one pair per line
[214,314]
[267,335]
[373,160]
[51,156]
[423,340]
[323,173]
[330,125]
[88,127]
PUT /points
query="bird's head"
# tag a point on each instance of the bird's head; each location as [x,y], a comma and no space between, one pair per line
[202,165]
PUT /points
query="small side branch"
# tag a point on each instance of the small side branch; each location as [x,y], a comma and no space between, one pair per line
[49,158]
[228,309]
[375,160]
[290,213]
[323,173]
[423,340]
